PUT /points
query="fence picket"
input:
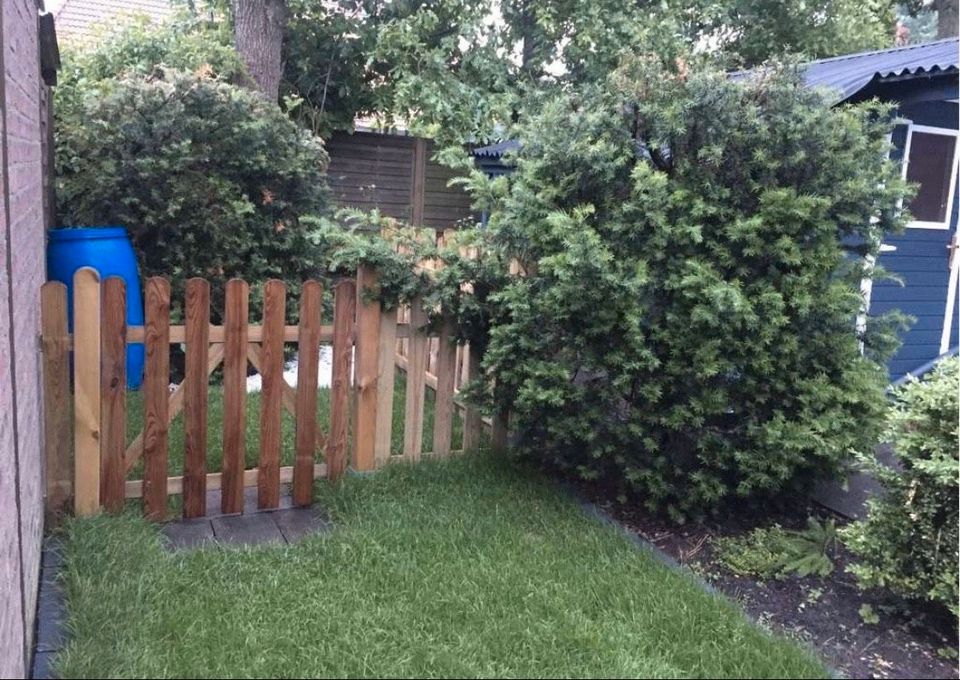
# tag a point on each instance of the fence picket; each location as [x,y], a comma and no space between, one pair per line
[271,349]
[345,296]
[56,398]
[155,397]
[386,375]
[308,360]
[367,341]
[113,390]
[446,374]
[416,382]
[234,394]
[472,422]
[86,380]
[195,398]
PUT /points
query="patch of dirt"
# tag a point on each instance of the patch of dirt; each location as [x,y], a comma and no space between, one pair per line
[821,612]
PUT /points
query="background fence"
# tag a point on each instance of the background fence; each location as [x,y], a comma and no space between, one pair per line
[93,459]
[395,174]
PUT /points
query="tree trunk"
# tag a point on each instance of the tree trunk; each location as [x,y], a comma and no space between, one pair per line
[947,18]
[258,32]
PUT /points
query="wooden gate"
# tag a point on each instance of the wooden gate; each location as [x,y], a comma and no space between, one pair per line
[91,458]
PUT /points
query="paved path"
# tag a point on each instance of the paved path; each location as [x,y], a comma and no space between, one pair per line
[255,527]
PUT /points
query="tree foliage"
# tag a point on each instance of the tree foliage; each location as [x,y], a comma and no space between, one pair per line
[909,542]
[686,325]
[209,179]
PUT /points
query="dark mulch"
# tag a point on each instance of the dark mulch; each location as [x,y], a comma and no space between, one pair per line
[823,612]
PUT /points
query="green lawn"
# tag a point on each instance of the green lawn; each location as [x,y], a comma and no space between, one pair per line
[465,567]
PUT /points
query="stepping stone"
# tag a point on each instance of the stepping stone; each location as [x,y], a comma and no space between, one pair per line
[298,523]
[188,534]
[255,529]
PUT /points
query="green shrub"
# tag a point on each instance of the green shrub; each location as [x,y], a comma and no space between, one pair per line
[687,328]
[775,552]
[908,543]
[209,179]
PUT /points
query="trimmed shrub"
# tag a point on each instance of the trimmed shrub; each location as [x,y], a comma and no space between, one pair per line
[909,543]
[209,179]
[686,329]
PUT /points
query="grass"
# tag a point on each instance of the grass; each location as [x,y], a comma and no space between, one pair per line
[135,422]
[464,567]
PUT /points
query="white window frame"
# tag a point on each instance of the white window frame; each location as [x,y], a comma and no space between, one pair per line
[931,130]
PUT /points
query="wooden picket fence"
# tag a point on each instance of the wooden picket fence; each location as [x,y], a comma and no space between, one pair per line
[90,460]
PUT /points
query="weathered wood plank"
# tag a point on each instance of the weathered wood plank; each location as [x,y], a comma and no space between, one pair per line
[446,374]
[58,440]
[113,392]
[86,380]
[195,399]
[178,334]
[134,488]
[343,321]
[416,377]
[156,398]
[308,360]
[367,342]
[386,370]
[234,394]
[271,357]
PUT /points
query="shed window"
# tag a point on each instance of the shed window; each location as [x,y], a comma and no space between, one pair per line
[931,163]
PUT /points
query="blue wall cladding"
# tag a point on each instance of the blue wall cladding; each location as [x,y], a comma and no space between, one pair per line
[921,261]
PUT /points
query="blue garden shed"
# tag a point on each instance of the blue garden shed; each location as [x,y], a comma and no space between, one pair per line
[922,81]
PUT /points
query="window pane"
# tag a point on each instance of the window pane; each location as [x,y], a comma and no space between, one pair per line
[931,157]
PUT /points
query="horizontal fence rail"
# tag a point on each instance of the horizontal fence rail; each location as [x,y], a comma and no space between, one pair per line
[94,460]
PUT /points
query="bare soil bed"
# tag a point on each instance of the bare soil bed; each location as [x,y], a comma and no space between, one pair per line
[822,612]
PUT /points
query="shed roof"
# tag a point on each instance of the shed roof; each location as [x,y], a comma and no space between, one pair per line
[850,73]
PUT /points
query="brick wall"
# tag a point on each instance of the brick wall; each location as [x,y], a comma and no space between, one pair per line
[22,270]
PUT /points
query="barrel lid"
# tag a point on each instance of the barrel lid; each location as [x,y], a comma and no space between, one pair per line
[86,233]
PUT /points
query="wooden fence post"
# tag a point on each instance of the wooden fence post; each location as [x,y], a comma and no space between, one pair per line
[86,378]
[56,398]
[345,297]
[368,352]
[113,389]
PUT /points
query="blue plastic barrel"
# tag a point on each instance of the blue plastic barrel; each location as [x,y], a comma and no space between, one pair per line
[108,250]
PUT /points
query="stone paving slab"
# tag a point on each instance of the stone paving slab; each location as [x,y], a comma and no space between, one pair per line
[188,534]
[297,524]
[257,529]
